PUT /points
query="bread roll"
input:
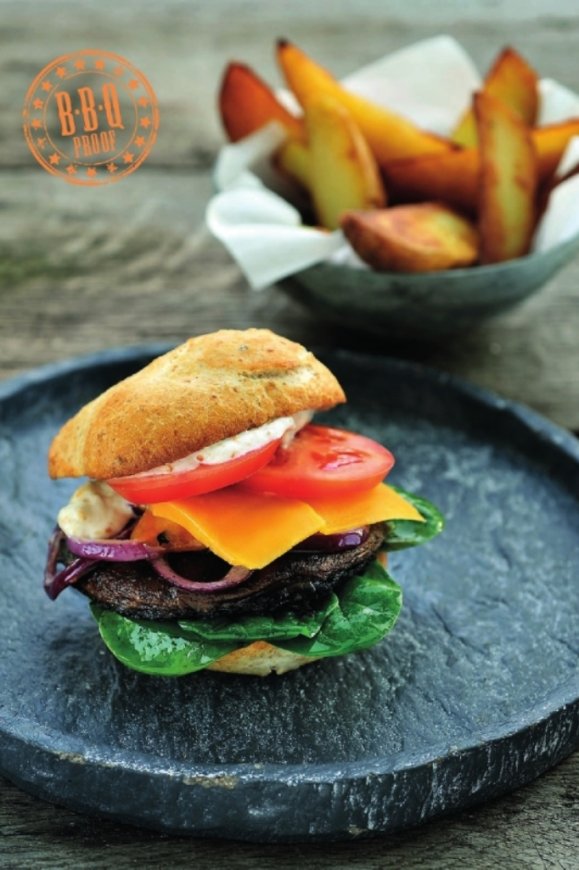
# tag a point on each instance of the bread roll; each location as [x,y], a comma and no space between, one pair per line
[260,659]
[209,388]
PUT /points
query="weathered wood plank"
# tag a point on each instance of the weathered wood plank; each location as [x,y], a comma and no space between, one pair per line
[183,48]
[82,269]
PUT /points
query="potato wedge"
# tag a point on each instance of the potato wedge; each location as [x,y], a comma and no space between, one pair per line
[550,143]
[453,177]
[508,181]
[450,177]
[427,237]
[512,80]
[294,160]
[389,135]
[343,171]
[247,103]
[547,187]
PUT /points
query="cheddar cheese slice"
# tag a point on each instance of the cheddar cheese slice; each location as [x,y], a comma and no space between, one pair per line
[373,506]
[252,530]
[241,527]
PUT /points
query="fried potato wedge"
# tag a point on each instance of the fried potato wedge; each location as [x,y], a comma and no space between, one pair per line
[343,172]
[508,181]
[450,177]
[247,103]
[512,80]
[294,160]
[426,237]
[453,177]
[550,143]
[389,135]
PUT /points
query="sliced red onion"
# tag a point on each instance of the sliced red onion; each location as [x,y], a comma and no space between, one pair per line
[67,577]
[112,549]
[234,577]
[55,581]
[334,543]
[89,552]
[54,543]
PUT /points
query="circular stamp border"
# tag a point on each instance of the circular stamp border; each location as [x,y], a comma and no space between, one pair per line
[42,85]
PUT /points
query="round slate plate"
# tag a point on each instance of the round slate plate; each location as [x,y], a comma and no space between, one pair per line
[475,692]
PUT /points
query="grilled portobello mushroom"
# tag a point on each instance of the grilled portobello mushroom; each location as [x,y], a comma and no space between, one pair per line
[300,580]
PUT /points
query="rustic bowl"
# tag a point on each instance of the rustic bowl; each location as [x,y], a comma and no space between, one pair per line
[428,306]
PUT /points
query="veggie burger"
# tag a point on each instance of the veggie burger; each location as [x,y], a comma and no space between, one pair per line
[220,528]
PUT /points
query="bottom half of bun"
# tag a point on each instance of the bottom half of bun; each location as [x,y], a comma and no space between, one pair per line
[260,659]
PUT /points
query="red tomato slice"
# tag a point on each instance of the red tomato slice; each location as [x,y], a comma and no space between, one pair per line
[151,488]
[323,462]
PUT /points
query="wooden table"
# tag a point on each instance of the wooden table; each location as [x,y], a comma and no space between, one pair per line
[83,269]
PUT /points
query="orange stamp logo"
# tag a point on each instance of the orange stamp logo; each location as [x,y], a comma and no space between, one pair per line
[90,117]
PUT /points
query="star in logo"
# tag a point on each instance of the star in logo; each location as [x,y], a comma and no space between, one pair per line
[99,64]
[54,159]
[71,169]
[41,143]
[145,122]
[91,171]
[79,64]
[139,141]
[119,70]
[128,157]
[133,84]
[37,124]
[112,167]
[61,72]
[38,104]
[143,101]
[46,86]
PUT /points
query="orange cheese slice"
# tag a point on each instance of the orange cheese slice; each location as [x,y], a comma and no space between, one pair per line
[252,530]
[241,527]
[148,528]
[374,506]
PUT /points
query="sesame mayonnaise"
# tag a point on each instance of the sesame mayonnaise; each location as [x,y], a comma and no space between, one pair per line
[96,511]
[236,446]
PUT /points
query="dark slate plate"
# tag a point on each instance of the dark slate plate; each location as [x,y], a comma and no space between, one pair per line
[474,693]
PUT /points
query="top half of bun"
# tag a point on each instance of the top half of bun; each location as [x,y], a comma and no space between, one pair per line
[209,388]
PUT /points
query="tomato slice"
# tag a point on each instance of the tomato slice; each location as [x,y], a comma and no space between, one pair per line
[321,461]
[150,488]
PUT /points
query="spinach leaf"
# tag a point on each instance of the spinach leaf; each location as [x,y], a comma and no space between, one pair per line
[246,629]
[368,608]
[159,648]
[364,612]
[400,534]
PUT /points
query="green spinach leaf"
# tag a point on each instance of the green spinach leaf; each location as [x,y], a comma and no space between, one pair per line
[365,611]
[246,629]
[159,648]
[368,608]
[400,534]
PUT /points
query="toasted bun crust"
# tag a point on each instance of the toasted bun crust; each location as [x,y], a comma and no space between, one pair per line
[260,659]
[209,388]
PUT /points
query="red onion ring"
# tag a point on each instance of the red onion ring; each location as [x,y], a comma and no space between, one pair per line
[67,577]
[234,577]
[334,543]
[56,581]
[112,549]
[121,549]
